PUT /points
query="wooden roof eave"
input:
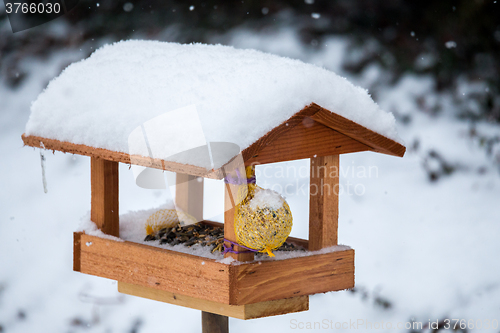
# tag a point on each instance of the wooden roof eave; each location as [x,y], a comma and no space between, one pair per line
[378,142]
[156,163]
[359,138]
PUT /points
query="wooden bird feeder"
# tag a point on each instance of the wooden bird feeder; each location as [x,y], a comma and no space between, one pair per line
[250,289]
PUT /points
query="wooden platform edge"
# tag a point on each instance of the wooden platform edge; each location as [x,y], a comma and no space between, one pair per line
[275,279]
[204,278]
[153,267]
[245,312]
[79,149]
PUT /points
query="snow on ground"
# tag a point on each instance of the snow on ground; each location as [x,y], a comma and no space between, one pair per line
[424,250]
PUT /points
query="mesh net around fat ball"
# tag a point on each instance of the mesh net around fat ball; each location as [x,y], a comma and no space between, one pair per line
[263,219]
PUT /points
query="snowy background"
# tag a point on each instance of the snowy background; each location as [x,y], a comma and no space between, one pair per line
[425,227]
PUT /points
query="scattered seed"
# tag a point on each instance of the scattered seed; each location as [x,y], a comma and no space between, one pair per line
[203,235]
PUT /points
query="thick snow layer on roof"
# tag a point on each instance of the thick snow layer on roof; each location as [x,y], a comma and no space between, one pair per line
[159,99]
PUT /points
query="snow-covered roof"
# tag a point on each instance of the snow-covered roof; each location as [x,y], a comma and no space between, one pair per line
[159,98]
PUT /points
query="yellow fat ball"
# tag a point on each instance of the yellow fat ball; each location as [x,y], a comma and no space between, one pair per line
[263,220]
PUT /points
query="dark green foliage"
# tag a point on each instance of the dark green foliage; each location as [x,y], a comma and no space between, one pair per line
[404,31]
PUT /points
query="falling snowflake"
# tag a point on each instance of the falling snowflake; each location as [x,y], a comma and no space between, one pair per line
[450,44]
[128,6]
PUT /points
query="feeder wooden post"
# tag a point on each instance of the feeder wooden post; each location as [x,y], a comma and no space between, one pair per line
[323,202]
[229,225]
[189,194]
[214,323]
[104,192]
[189,198]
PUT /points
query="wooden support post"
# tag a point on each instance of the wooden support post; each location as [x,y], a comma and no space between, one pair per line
[214,323]
[104,193]
[189,194]
[229,224]
[323,202]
